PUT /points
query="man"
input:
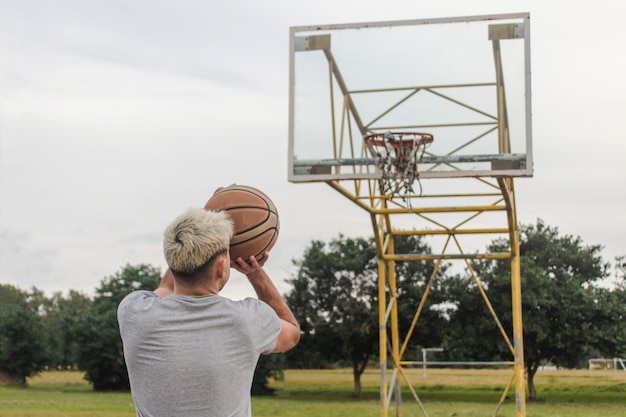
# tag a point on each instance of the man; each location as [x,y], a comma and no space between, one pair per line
[188,350]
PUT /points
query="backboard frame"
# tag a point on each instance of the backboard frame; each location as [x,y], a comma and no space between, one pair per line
[349,128]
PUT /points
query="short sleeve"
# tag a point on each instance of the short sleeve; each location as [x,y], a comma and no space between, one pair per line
[265,325]
[134,301]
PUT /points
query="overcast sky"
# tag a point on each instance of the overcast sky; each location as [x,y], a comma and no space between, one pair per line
[116,115]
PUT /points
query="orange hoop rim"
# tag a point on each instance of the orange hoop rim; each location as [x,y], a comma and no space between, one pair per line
[380,140]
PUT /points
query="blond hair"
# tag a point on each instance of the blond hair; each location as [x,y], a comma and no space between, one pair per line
[195,237]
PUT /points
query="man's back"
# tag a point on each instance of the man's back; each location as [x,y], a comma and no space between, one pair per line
[194,356]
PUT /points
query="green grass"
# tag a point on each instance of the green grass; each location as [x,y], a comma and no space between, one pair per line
[444,393]
[66,394]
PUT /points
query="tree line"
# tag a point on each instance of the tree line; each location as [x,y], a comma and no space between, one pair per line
[568,315]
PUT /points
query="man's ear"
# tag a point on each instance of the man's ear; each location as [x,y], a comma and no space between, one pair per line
[222,266]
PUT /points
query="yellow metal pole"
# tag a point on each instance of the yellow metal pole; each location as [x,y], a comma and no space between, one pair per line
[516,297]
[518,344]
[395,337]
[382,335]
[518,341]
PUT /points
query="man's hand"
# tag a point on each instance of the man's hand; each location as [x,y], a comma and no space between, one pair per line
[251,265]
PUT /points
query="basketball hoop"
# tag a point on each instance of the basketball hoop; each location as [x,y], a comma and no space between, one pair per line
[399,154]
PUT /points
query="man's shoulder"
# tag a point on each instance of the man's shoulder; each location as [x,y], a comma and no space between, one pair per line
[135,297]
[256,309]
[139,294]
[251,303]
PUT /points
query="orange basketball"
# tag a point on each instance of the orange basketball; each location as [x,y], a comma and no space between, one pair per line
[254,216]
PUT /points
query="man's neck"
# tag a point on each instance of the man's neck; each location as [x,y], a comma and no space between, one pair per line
[198,290]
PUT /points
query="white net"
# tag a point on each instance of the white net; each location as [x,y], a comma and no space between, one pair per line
[399,155]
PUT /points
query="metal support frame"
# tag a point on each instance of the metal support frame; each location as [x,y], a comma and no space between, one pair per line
[384,211]
[489,212]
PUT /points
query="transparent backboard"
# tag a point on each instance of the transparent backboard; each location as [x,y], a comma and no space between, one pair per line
[465,81]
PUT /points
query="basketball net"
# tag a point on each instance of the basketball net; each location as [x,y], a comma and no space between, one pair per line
[398,155]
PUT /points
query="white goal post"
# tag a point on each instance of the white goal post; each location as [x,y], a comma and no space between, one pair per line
[615,364]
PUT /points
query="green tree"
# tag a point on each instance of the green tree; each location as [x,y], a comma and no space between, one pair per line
[269,366]
[71,310]
[335,299]
[412,278]
[23,350]
[563,308]
[609,314]
[47,310]
[59,315]
[99,346]
[620,271]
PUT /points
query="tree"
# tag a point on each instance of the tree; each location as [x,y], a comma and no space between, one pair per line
[100,352]
[269,366]
[609,314]
[563,308]
[412,278]
[335,299]
[59,316]
[620,271]
[47,310]
[23,350]
[70,311]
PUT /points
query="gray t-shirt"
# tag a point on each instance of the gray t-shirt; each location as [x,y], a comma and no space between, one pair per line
[194,356]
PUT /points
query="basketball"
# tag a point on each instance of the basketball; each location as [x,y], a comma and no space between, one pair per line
[254,216]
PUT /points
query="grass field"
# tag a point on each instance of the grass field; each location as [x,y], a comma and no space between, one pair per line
[444,393]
